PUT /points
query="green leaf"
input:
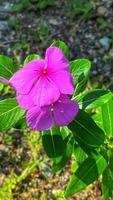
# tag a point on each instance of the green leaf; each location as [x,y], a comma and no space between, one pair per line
[58,164]
[7,67]
[80,69]
[97,117]
[10,114]
[110,155]
[62,46]
[86,132]
[107,180]
[42,4]
[31,57]
[107,117]
[21,124]
[64,131]
[80,155]
[53,143]
[86,174]
[93,99]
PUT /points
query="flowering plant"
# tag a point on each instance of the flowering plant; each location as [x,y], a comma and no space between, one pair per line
[52,96]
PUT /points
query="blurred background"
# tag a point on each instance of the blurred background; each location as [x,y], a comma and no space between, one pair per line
[30,26]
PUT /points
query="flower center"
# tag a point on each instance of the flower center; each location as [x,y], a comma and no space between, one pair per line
[44,72]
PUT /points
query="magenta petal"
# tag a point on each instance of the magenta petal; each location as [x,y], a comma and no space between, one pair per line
[56,59]
[45,92]
[64,81]
[23,80]
[65,111]
[34,65]
[25,101]
[40,118]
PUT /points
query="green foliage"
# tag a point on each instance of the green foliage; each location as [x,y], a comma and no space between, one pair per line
[42,4]
[52,140]
[79,7]
[10,114]
[88,139]
[62,46]
[93,99]
[41,33]
[87,173]
[32,4]
[14,24]
[31,57]
[107,181]
[102,23]
[7,67]
[59,163]
[86,132]
[80,154]
[80,69]
[107,117]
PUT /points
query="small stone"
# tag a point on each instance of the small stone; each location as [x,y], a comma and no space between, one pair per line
[3,26]
[107,68]
[6,6]
[3,16]
[111,52]
[102,10]
[105,42]
[95,60]
[54,22]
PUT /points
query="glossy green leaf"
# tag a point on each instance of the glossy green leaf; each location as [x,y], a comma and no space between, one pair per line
[110,154]
[80,69]
[107,117]
[97,117]
[80,155]
[52,141]
[107,180]
[58,164]
[31,57]
[62,46]
[21,124]
[10,114]
[87,173]
[7,67]
[64,131]
[93,99]
[85,131]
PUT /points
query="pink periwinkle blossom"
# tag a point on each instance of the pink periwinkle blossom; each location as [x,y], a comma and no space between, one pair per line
[61,113]
[41,82]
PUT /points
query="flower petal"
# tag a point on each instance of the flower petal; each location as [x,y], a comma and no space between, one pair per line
[65,111]
[23,80]
[40,118]
[64,81]
[56,59]
[45,92]
[25,101]
[35,65]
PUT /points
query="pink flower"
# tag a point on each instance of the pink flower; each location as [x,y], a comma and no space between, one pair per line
[62,112]
[42,81]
